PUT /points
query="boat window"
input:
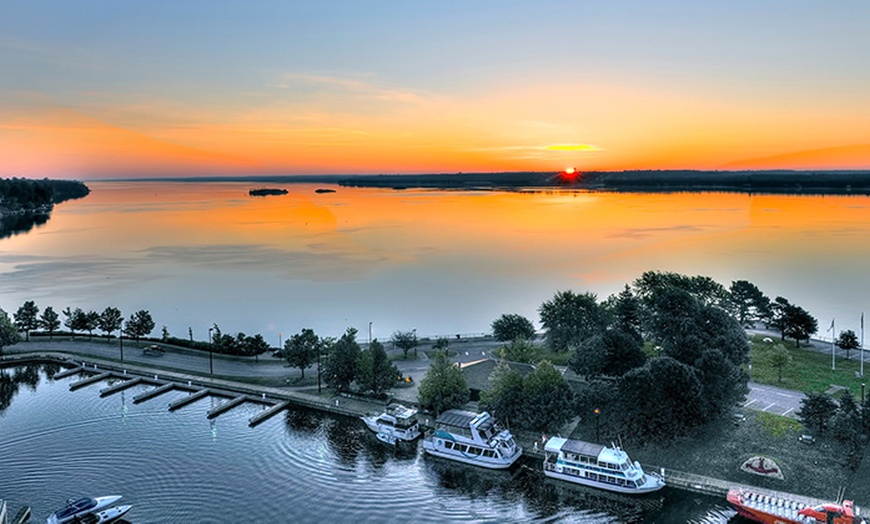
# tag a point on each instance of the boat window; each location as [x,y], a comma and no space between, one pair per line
[448,444]
[624,466]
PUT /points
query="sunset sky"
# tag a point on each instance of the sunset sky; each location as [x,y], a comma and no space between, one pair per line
[97,89]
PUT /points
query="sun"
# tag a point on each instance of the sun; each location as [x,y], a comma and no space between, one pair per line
[569,175]
[569,170]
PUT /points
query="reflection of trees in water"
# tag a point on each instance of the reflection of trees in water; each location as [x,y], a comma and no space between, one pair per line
[11,380]
[51,369]
[302,420]
[345,439]
[28,375]
[21,223]
[8,389]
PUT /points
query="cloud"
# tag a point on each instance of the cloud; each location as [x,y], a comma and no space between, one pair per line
[572,147]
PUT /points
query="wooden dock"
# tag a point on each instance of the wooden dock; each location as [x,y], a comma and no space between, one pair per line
[193,397]
[120,386]
[89,380]
[142,397]
[226,406]
[268,413]
[68,372]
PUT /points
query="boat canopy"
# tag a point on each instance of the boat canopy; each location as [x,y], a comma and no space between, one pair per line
[461,419]
[73,508]
[557,444]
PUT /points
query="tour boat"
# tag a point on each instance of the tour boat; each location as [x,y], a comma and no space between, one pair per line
[775,510]
[397,423]
[77,509]
[472,438]
[597,466]
[105,516]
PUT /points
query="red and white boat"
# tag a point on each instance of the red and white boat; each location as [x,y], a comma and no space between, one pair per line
[773,510]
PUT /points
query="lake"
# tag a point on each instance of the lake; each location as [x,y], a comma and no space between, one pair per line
[441,262]
[301,467]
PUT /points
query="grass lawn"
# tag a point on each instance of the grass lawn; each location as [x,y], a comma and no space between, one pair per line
[809,370]
[719,450]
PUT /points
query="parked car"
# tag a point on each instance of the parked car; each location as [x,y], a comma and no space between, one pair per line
[739,418]
[154,350]
[807,439]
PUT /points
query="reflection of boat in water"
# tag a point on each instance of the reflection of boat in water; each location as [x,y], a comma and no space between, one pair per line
[769,510]
[77,509]
[105,516]
[397,423]
[472,438]
[597,466]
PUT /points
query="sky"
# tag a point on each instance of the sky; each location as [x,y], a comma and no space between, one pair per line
[114,89]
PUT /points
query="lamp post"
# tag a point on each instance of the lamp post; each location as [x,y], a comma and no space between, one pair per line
[121,343]
[370,333]
[415,342]
[862,392]
[597,429]
[318,368]
[210,348]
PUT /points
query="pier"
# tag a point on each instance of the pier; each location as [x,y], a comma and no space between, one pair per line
[90,380]
[120,386]
[268,413]
[193,397]
[142,397]
[226,406]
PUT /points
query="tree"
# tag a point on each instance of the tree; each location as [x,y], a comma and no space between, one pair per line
[8,331]
[549,401]
[747,303]
[49,321]
[442,344]
[27,318]
[704,289]
[627,313]
[376,373]
[816,411]
[610,353]
[253,345]
[510,327]
[799,324]
[75,320]
[504,398]
[847,341]
[571,318]
[444,386]
[301,350]
[342,363]
[139,325]
[519,350]
[110,320]
[846,428]
[90,322]
[778,357]
[405,340]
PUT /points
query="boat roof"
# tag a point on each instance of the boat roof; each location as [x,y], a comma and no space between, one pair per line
[401,411]
[72,508]
[465,419]
[556,444]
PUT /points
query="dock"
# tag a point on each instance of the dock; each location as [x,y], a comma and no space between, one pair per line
[89,380]
[68,372]
[120,386]
[142,397]
[268,413]
[193,397]
[226,406]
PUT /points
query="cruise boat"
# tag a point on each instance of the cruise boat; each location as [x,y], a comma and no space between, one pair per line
[77,509]
[472,438]
[397,423]
[105,516]
[597,466]
[775,510]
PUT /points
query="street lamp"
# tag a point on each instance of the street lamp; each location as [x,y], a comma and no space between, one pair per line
[210,348]
[319,349]
[597,430]
[415,342]
[121,343]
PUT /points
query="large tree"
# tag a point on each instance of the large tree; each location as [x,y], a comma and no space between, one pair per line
[76,320]
[509,327]
[139,325]
[342,363]
[570,318]
[444,386]
[779,357]
[376,373]
[406,341]
[519,350]
[816,411]
[504,399]
[27,318]
[110,320]
[747,303]
[91,322]
[549,401]
[610,353]
[8,331]
[792,321]
[49,321]
[301,350]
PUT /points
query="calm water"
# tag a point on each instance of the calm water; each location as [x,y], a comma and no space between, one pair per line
[440,262]
[302,467]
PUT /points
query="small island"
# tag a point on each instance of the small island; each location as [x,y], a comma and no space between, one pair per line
[267,192]
[321,190]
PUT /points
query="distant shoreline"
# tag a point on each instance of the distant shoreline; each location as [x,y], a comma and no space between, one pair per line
[809,182]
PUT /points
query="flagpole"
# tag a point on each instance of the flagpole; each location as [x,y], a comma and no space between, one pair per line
[862,344]
[833,360]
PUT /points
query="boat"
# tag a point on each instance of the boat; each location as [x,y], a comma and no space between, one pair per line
[597,466]
[768,509]
[396,423]
[105,516]
[80,508]
[472,438]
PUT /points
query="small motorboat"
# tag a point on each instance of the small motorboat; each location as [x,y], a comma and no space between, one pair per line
[107,515]
[80,508]
[397,423]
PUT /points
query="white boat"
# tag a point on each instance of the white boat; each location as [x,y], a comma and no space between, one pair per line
[105,516]
[397,423]
[472,438]
[80,508]
[597,466]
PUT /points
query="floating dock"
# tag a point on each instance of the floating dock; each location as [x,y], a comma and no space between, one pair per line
[90,380]
[193,397]
[268,413]
[120,386]
[68,372]
[142,397]
[226,406]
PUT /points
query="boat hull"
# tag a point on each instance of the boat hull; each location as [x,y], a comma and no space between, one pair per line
[474,460]
[575,479]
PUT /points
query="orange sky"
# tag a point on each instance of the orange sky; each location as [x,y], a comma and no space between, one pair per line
[173,91]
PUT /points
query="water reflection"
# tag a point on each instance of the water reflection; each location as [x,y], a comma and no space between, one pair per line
[20,223]
[12,379]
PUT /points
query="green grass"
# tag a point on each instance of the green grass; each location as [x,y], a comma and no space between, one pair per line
[809,370]
[776,425]
[557,359]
